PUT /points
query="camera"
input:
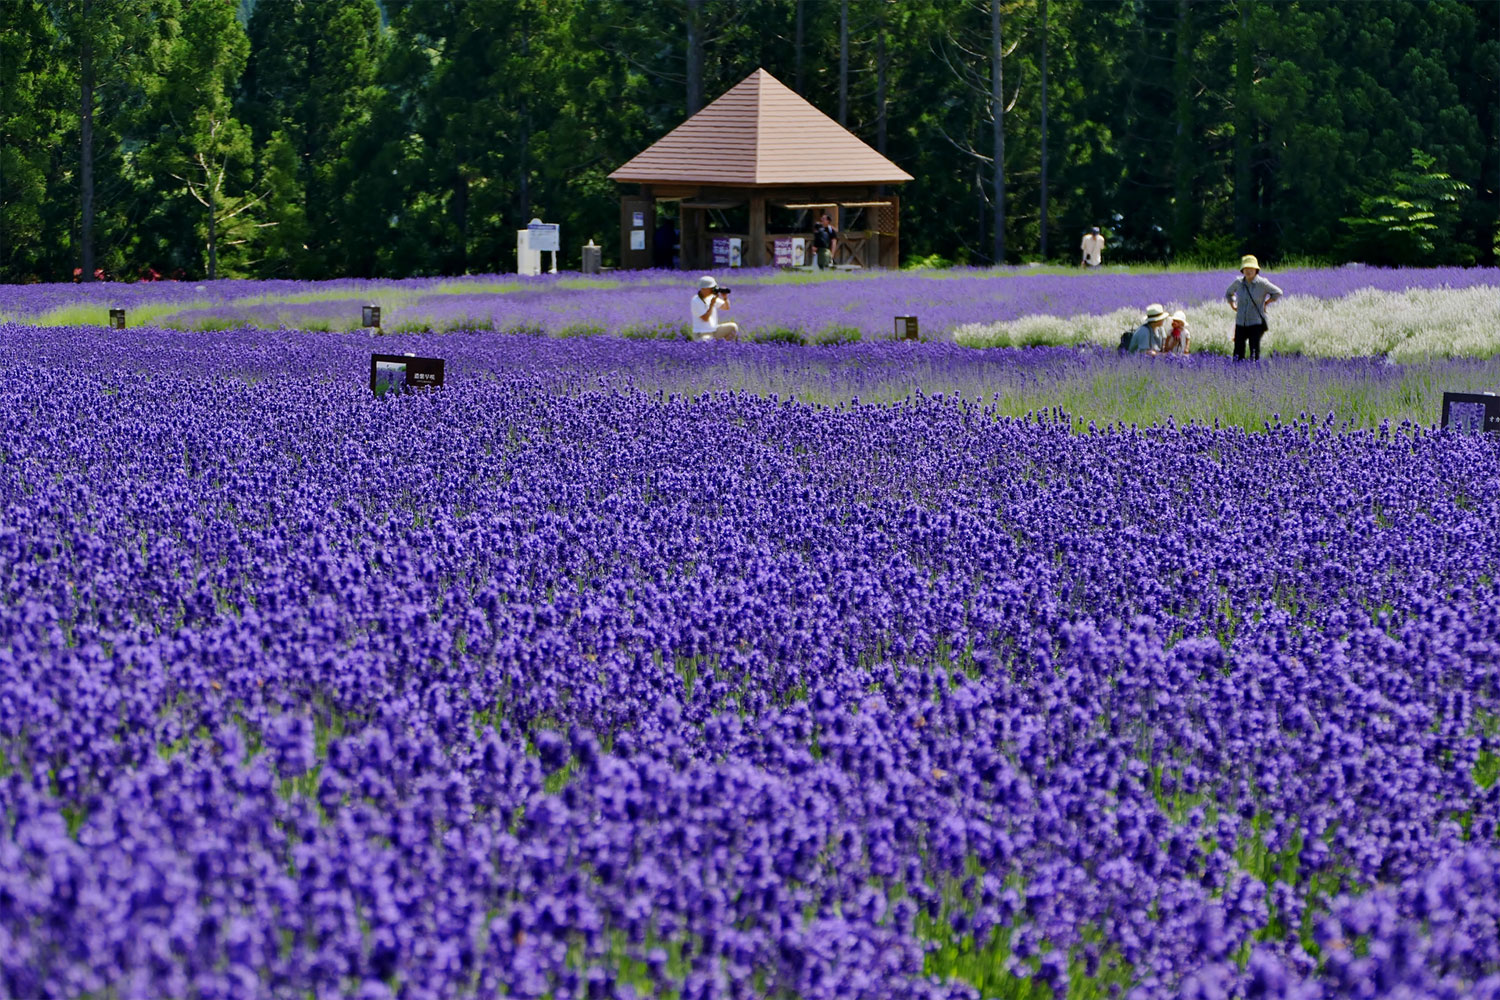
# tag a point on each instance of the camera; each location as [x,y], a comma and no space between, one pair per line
[722,289]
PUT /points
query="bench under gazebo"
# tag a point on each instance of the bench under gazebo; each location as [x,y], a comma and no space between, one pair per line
[760,164]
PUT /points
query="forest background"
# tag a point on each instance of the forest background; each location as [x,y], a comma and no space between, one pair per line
[334,138]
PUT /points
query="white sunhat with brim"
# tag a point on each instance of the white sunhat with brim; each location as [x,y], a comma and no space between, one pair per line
[1179,316]
[707,281]
[1155,312]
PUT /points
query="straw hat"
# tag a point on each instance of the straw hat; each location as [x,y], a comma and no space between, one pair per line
[1155,312]
[1179,317]
[1249,261]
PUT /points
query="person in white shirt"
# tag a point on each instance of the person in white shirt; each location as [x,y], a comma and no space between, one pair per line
[1093,248]
[707,304]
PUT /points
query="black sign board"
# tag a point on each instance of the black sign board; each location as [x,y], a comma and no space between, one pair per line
[906,328]
[117,319]
[403,371]
[369,316]
[1471,412]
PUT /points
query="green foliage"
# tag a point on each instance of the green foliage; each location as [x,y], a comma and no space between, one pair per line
[932,260]
[1486,769]
[1216,250]
[583,330]
[657,331]
[836,335]
[411,137]
[34,235]
[778,335]
[311,76]
[1410,221]
[193,148]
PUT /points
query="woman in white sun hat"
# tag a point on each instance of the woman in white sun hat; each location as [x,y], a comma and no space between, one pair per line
[1148,337]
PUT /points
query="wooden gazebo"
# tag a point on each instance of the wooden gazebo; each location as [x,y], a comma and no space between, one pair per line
[762,148]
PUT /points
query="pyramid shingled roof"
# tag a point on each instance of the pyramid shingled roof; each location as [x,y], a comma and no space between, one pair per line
[760,133]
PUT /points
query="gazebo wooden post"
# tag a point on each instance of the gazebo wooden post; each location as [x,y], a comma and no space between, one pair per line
[838,227]
[757,256]
[631,259]
[890,249]
[687,237]
[682,264]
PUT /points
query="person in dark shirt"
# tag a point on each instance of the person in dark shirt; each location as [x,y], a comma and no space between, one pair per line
[825,241]
[663,241]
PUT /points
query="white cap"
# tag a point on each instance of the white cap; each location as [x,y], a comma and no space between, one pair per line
[707,281]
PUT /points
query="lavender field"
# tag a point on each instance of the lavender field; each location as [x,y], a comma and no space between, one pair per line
[1407,314]
[623,668]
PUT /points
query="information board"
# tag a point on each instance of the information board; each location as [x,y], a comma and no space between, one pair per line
[403,372]
[1471,412]
[544,236]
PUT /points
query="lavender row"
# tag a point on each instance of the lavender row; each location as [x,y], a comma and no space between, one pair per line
[654,303]
[1090,384]
[548,685]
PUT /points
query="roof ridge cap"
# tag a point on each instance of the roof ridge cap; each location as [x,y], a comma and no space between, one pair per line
[761,90]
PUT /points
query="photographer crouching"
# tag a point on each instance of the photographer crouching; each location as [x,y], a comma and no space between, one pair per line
[710,300]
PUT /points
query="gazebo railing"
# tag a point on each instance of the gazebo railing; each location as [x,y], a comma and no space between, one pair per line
[859,248]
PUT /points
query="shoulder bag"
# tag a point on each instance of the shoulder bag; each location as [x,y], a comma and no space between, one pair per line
[1258,310]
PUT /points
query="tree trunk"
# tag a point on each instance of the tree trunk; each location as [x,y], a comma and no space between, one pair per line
[86,142]
[1183,153]
[844,63]
[523,185]
[1244,124]
[1044,132]
[694,57]
[800,79]
[461,219]
[213,228]
[983,214]
[882,73]
[997,108]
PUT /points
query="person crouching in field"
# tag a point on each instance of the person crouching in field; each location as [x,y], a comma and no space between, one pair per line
[1249,294]
[1148,337]
[1178,340]
[706,306]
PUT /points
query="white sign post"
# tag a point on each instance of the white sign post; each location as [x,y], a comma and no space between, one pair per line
[528,261]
